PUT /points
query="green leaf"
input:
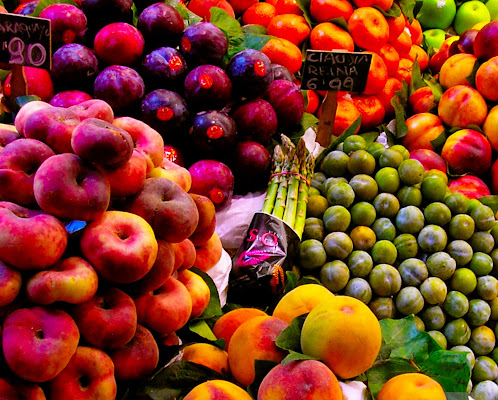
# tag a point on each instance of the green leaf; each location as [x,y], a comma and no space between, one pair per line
[394,11]
[254,41]
[399,103]
[261,367]
[370,137]
[491,201]
[407,349]
[417,81]
[438,143]
[472,77]
[410,8]
[213,309]
[341,23]
[307,121]
[45,3]
[254,29]
[290,338]
[436,88]
[295,356]
[291,281]
[304,5]
[22,100]
[202,329]
[135,14]
[309,279]
[176,380]
[189,18]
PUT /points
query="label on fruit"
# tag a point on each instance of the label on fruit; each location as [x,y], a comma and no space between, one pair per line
[25,41]
[336,70]
[259,265]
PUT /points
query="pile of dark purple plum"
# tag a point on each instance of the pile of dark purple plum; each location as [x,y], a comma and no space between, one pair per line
[162,64]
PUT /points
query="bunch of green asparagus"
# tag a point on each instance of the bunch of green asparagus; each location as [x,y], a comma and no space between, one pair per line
[287,192]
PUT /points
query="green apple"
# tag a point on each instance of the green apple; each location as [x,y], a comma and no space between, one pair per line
[435,37]
[492,6]
[436,14]
[470,13]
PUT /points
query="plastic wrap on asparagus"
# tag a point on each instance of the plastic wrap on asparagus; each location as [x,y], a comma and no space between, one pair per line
[272,239]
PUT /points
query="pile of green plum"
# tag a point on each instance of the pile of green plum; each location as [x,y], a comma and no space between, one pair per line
[381,228]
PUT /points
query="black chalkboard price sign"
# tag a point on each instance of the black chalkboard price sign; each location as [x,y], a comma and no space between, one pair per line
[335,70]
[25,41]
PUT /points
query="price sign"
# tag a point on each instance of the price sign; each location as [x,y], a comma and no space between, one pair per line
[335,70]
[25,41]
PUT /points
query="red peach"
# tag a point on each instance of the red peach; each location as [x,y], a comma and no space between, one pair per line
[198,289]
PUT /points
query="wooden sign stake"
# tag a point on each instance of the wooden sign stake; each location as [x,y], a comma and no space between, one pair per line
[19,86]
[325,128]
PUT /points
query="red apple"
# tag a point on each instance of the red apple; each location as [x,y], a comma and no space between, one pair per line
[70,188]
[167,208]
[102,143]
[461,106]
[437,60]
[108,320]
[10,284]
[53,126]
[38,342]
[421,100]
[120,245]
[19,161]
[88,375]
[38,81]
[93,108]
[166,309]
[72,280]
[36,240]
[138,358]
[146,139]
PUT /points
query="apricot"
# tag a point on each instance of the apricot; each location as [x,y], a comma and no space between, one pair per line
[208,355]
[410,386]
[343,333]
[456,69]
[226,325]
[254,340]
[300,380]
[301,300]
[461,106]
[217,389]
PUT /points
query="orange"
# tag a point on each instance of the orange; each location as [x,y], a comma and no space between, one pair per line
[390,57]
[292,27]
[404,70]
[415,31]
[325,10]
[490,127]
[456,69]
[202,7]
[411,386]
[259,13]
[418,53]
[402,44]
[328,36]
[312,101]
[288,7]
[369,28]
[239,6]
[387,93]
[396,25]
[272,2]
[486,78]
[343,333]
[346,114]
[382,4]
[301,300]
[371,110]
[281,51]
[377,75]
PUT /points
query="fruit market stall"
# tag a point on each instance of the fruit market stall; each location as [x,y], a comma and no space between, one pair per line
[208,198]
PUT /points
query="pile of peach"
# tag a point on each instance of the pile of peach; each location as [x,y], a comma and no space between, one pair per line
[340,335]
[98,234]
[464,114]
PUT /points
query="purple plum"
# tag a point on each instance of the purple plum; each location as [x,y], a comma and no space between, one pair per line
[207,87]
